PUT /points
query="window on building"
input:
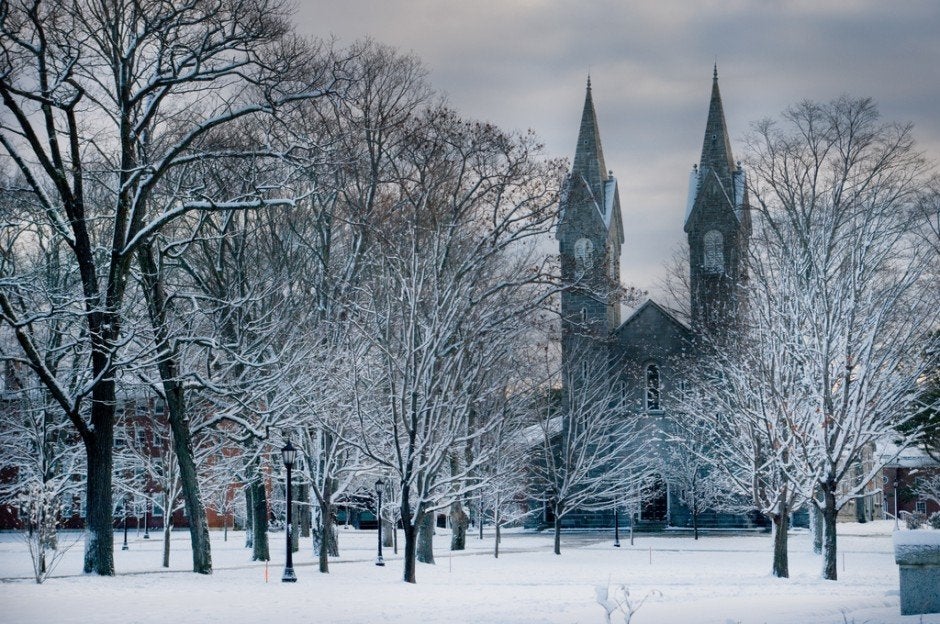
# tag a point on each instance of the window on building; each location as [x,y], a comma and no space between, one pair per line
[584,253]
[652,387]
[714,252]
[920,506]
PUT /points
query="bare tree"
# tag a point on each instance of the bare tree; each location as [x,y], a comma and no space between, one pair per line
[442,300]
[928,487]
[841,269]
[748,396]
[688,464]
[106,101]
[505,477]
[589,452]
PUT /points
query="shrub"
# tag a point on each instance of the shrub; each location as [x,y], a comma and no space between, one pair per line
[935,519]
[39,512]
[915,520]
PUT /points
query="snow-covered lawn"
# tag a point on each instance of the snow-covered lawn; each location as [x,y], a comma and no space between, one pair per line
[722,579]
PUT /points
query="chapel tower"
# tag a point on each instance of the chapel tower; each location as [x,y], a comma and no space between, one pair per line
[718,225]
[590,235]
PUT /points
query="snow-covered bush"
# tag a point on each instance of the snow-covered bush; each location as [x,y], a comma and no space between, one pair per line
[914,520]
[39,512]
[620,602]
[935,520]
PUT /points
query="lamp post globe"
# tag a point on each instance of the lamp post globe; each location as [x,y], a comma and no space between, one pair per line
[289,456]
[379,490]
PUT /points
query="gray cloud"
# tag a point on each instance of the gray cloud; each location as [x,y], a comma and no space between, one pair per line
[522,64]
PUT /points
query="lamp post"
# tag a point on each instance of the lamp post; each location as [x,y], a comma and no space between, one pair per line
[896,527]
[616,527]
[379,488]
[147,503]
[125,546]
[289,454]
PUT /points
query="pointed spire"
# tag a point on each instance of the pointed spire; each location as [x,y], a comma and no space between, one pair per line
[589,156]
[716,148]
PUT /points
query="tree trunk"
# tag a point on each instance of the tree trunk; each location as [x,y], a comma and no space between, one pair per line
[192,498]
[695,522]
[557,534]
[425,552]
[459,522]
[167,530]
[99,532]
[259,520]
[304,511]
[860,516]
[326,529]
[249,518]
[395,541]
[830,554]
[295,517]
[496,525]
[816,527]
[334,538]
[781,567]
[388,530]
[168,366]
[411,543]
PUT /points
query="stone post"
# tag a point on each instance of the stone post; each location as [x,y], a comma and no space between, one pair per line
[917,553]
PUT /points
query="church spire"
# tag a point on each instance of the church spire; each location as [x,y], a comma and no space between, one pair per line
[589,156]
[716,148]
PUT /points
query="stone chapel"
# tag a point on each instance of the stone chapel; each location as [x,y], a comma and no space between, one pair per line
[643,349]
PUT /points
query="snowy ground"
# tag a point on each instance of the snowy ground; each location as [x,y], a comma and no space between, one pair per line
[721,579]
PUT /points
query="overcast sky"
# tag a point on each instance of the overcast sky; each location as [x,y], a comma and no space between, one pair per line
[522,64]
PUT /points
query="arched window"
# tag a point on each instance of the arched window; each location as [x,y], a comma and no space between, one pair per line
[714,251]
[584,253]
[652,387]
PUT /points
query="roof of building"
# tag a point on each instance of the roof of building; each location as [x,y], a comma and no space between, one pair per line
[717,161]
[652,305]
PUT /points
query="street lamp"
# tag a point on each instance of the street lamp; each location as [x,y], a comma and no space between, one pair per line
[379,488]
[896,527]
[616,526]
[125,546]
[289,454]
[147,503]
